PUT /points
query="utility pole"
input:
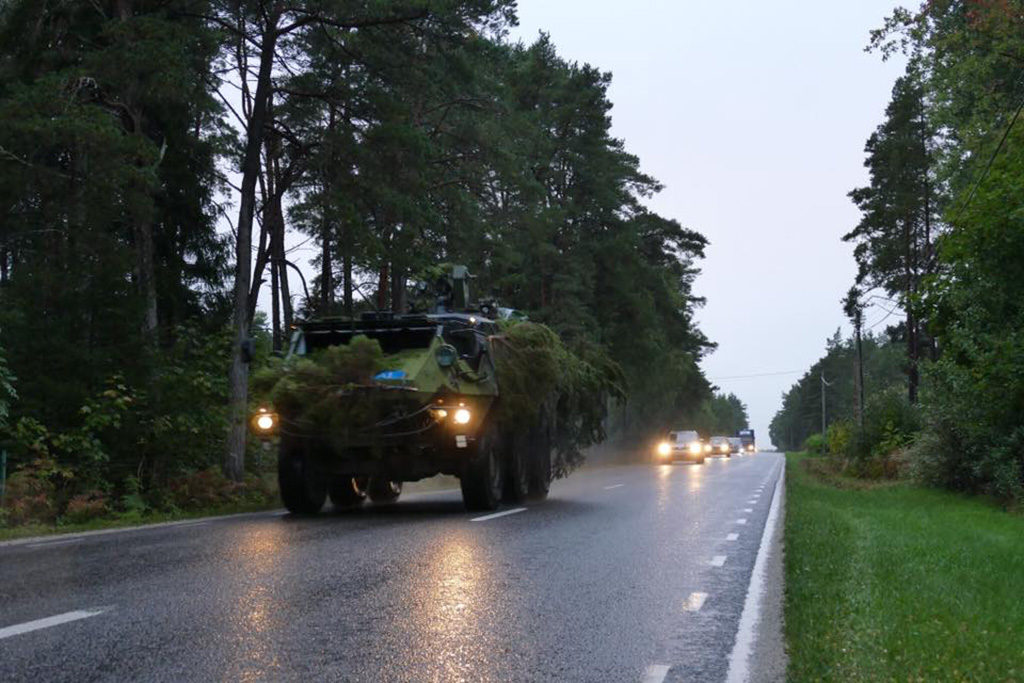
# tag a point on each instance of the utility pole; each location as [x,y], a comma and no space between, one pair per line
[824,383]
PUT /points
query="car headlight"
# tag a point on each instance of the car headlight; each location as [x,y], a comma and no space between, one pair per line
[664,449]
[723,448]
[695,448]
[462,416]
[707,447]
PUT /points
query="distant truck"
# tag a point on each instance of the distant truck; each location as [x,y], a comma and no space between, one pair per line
[747,439]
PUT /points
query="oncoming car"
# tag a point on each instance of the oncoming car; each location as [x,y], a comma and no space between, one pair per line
[681,445]
[735,444]
[720,446]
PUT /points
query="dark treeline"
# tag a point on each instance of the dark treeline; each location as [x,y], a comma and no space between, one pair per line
[393,136]
[941,238]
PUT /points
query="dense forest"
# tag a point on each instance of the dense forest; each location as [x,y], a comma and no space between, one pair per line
[940,240]
[162,160]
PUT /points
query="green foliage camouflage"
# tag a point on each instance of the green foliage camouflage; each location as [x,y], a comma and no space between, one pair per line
[331,391]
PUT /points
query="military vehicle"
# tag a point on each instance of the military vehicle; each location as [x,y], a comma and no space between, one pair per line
[435,411]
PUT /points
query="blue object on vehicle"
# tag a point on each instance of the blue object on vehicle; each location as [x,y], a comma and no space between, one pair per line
[390,374]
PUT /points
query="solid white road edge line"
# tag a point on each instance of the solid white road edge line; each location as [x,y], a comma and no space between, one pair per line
[732,537]
[613,486]
[57,620]
[694,602]
[717,561]
[655,673]
[739,658]
[504,513]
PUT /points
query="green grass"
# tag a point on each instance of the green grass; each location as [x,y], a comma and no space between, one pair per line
[130,520]
[900,583]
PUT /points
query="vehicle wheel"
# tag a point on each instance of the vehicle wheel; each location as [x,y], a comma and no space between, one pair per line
[384,490]
[303,491]
[347,492]
[541,438]
[483,475]
[517,473]
[701,461]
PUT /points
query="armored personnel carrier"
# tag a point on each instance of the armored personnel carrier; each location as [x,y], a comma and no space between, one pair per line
[434,410]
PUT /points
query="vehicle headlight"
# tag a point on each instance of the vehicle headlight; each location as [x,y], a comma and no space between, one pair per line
[695,448]
[723,448]
[264,421]
[707,447]
[462,416]
[664,449]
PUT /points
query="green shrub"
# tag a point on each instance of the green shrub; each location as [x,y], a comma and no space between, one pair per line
[838,438]
[814,444]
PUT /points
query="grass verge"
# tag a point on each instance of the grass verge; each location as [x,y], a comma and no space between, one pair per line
[130,520]
[897,582]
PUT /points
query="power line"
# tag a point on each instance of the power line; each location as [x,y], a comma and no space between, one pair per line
[760,374]
[991,161]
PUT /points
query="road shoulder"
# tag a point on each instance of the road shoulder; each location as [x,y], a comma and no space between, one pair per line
[768,660]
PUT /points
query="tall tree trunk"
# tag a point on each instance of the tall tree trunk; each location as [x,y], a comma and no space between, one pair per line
[912,356]
[383,283]
[346,267]
[147,280]
[282,267]
[275,297]
[397,288]
[326,270]
[238,391]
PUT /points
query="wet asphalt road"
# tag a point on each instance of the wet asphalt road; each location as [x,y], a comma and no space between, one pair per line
[595,584]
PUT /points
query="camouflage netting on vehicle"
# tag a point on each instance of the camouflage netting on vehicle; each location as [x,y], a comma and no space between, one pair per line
[540,378]
[330,392]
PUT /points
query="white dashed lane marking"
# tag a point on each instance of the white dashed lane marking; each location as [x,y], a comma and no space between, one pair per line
[57,620]
[504,513]
[718,561]
[741,520]
[694,602]
[655,673]
[613,486]
[732,537]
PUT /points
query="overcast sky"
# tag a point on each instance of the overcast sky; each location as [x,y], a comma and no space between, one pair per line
[753,115]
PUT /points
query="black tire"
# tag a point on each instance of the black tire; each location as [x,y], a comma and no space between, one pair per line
[303,490]
[517,467]
[483,474]
[347,492]
[384,490]
[541,438]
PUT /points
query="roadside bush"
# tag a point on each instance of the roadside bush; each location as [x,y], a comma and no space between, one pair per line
[209,488]
[202,489]
[838,438]
[86,507]
[814,444]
